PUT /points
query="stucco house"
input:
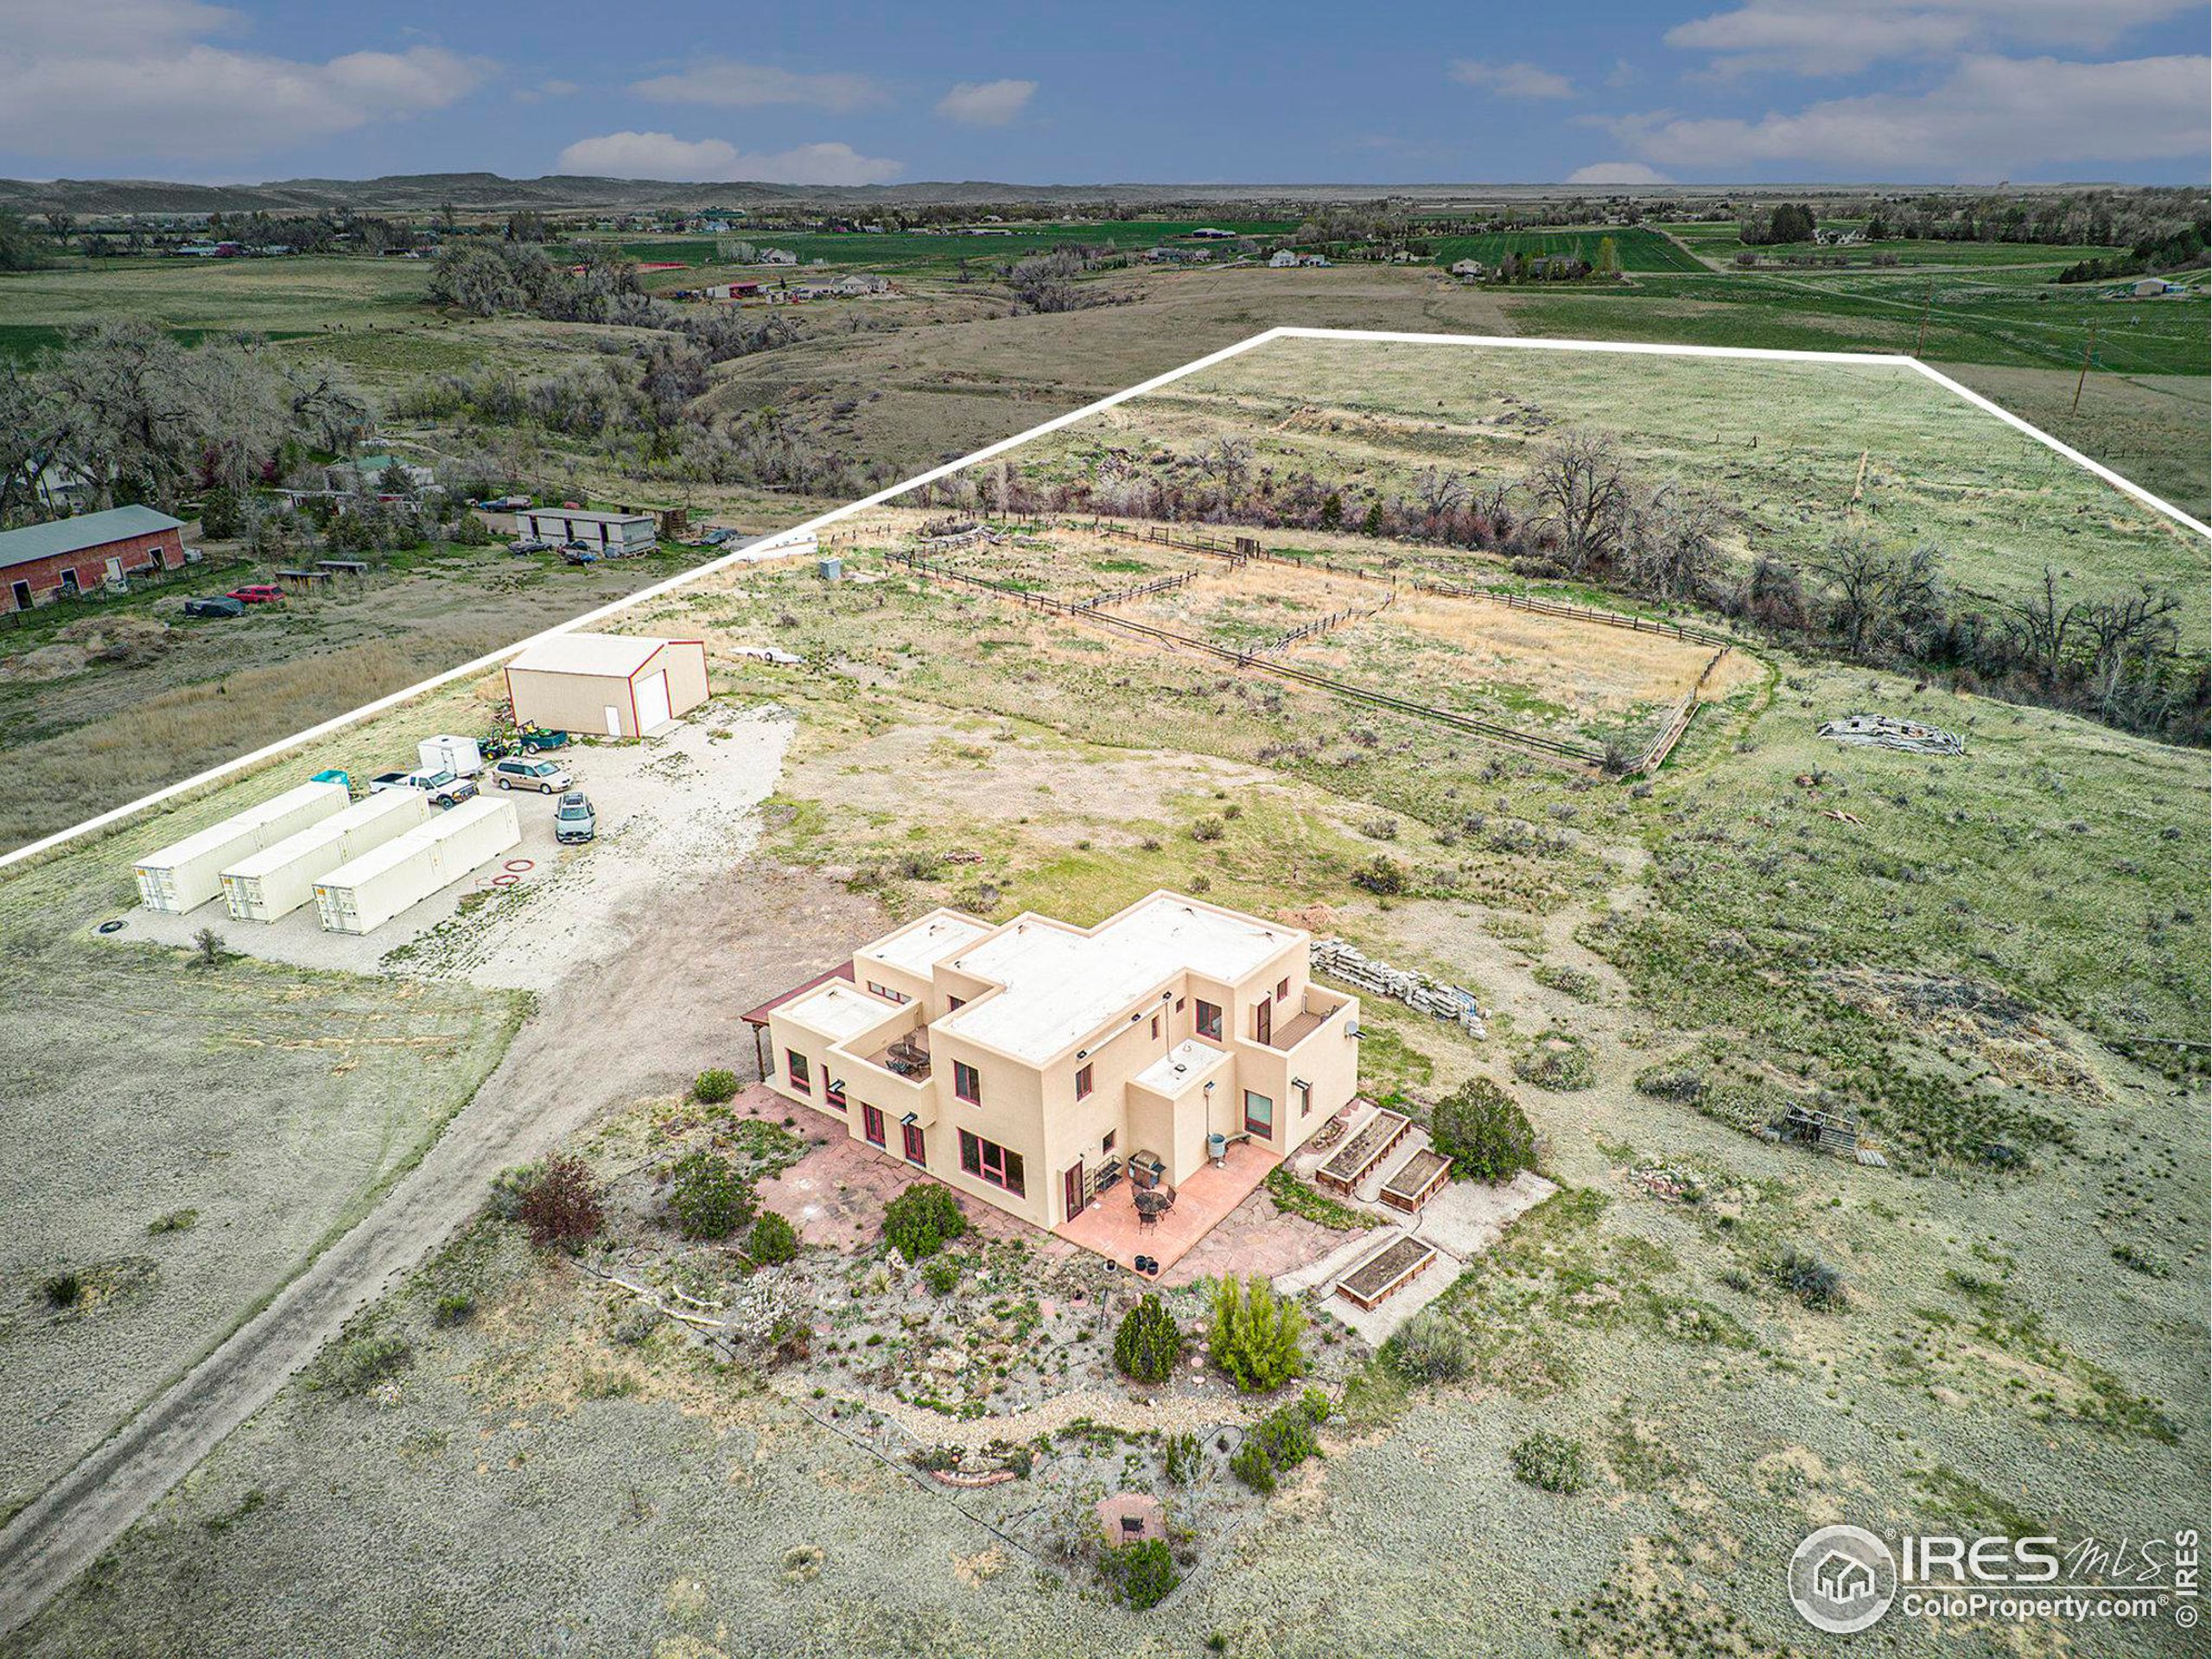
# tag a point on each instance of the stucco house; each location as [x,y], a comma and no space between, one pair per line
[1035,1065]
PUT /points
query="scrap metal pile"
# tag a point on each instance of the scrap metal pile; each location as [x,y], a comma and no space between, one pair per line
[1887,732]
[1340,960]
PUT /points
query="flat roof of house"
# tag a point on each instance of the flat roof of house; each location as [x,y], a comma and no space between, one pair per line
[1179,1067]
[1061,984]
[759,1016]
[618,654]
[86,530]
[838,1010]
[919,946]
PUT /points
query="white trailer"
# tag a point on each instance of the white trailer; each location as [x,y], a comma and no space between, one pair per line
[362,896]
[273,883]
[185,876]
[461,756]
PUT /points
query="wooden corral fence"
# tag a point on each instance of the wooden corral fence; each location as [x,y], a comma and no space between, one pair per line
[1576,750]
[1124,595]
[1329,624]
[1655,752]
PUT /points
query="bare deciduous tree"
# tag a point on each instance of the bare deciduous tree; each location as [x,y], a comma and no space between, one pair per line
[1879,594]
[1583,494]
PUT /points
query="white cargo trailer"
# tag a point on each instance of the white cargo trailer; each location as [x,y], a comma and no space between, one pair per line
[185,876]
[273,883]
[461,756]
[363,895]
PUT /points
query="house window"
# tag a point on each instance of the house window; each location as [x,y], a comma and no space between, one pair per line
[916,1153]
[888,994]
[833,1093]
[795,1065]
[1259,1114]
[1107,1145]
[1282,991]
[1209,1020]
[987,1161]
[1303,1091]
[1082,1083]
[1179,1004]
[1155,1028]
[952,1003]
[966,1084]
[871,1124]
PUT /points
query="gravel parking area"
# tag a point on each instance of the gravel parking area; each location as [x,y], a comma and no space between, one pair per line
[668,807]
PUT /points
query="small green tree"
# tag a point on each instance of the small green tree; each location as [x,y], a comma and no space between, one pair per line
[1254,1336]
[707,1197]
[1148,1342]
[772,1241]
[923,1220]
[1141,1575]
[1484,1132]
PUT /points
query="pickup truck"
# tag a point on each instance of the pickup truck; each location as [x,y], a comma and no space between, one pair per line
[443,787]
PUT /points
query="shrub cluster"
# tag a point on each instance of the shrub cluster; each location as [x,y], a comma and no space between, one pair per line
[1280,1441]
[709,1197]
[1254,1336]
[1551,1463]
[1431,1347]
[559,1202]
[1484,1132]
[1148,1342]
[1141,1574]
[772,1241]
[714,1086]
[923,1220]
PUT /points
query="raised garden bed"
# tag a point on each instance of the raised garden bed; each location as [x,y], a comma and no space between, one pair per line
[1388,1270]
[1356,1160]
[1417,1181]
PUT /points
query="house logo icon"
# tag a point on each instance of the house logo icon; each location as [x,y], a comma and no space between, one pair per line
[1842,1580]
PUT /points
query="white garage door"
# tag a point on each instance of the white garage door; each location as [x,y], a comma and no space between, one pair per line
[652,702]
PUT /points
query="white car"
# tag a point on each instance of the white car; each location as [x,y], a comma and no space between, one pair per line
[527,771]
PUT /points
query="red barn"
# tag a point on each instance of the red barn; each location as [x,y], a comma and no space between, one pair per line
[72,556]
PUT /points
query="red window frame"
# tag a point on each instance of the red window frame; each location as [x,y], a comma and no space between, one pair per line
[1252,1126]
[872,1123]
[832,1095]
[916,1147]
[967,1082]
[795,1068]
[991,1163]
[1209,1020]
[1082,1081]
[1282,991]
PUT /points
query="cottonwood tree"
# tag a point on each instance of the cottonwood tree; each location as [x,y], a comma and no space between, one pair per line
[1584,493]
[1878,594]
[1440,493]
[1668,551]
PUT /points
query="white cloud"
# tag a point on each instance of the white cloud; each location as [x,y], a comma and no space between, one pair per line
[1814,38]
[730,84]
[1511,80]
[1617,173]
[664,156]
[987,104]
[555,88]
[1993,117]
[92,79]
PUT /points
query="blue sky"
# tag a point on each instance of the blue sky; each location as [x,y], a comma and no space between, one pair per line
[1914,91]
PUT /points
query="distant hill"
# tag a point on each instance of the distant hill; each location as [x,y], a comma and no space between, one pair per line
[480,193]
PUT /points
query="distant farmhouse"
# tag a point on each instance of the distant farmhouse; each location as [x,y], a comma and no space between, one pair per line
[41,563]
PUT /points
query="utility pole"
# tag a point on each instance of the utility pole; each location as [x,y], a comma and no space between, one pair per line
[2088,351]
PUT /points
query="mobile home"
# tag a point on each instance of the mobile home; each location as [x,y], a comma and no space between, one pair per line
[271,884]
[363,895]
[185,876]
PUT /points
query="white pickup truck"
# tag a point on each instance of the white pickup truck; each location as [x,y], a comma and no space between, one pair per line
[443,787]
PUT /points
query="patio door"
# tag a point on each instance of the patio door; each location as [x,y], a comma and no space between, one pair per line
[1263,1021]
[1071,1189]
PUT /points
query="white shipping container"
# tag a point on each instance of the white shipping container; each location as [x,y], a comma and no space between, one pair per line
[276,881]
[185,876]
[363,895]
[461,756]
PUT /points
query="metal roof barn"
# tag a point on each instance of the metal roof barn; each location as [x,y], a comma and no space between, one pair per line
[363,895]
[183,877]
[276,881]
[607,684]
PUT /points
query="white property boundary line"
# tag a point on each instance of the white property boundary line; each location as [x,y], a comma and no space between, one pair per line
[247,762]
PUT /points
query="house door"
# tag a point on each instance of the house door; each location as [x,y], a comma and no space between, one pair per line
[1071,1189]
[614,720]
[21,590]
[1263,1021]
[652,702]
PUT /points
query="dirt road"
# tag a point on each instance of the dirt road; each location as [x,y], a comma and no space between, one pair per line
[629,1022]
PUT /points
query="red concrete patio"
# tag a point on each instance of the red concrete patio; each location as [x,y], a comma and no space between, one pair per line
[1111,1226]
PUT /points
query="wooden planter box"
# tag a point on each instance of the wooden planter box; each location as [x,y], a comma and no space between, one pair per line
[1356,1160]
[1388,1271]
[1417,1181]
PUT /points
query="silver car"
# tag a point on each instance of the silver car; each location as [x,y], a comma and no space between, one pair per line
[527,771]
[574,820]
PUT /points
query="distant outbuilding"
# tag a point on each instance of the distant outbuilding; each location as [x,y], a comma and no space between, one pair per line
[71,555]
